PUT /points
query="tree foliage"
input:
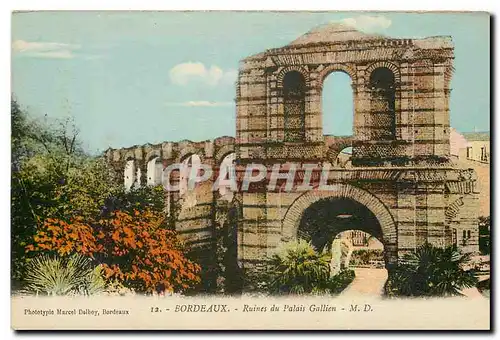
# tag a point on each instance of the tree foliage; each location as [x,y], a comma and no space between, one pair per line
[66,201]
[133,248]
[297,268]
[68,275]
[365,256]
[431,271]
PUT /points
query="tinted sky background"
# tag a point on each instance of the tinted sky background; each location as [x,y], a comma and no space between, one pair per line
[131,78]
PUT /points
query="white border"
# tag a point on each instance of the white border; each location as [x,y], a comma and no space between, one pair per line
[7,6]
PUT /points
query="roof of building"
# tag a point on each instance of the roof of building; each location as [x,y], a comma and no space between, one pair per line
[477,136]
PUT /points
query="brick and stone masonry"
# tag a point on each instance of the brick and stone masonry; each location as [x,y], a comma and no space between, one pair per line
[400,171]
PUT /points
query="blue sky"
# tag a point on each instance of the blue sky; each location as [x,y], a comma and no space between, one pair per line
[129,78]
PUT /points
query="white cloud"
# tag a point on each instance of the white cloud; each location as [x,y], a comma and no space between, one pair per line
[184,73]
[27,46]
[230,76]
[61,54]
[368,23]
[45,49]
[200,103]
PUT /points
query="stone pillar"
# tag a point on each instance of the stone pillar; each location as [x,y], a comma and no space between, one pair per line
[253,235]
[314,116]
[468,218]
[438,233]
[405,115]
[441,113]
[405,215]
[252,111]
[361,106]
[142,180]
[313,111]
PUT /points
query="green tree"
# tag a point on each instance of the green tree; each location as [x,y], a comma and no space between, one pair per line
[431,271]
[52,177]
[297,268]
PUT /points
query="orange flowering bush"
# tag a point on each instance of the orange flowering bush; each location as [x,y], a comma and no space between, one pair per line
[134,248]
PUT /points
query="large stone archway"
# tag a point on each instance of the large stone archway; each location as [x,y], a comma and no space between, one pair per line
[293,216]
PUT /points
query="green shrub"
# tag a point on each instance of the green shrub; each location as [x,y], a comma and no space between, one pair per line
[431,271]
[297,268]
[336,284]
[73,275]
[364,256]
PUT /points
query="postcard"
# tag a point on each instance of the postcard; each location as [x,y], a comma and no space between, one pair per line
[250,170]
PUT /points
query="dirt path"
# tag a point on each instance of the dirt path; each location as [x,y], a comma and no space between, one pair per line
[368,281]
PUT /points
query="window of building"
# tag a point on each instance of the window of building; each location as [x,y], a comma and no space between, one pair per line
[469,152]
[382,104]
[337,104]
[484,157]
[294,95]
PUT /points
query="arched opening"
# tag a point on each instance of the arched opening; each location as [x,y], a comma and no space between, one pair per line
[227,169]
[154,171]
[364,250]
[323,220]
[294,95]
[344,158]
[353,236]
[337,103]
[382,104]
[191,164]
[129,174]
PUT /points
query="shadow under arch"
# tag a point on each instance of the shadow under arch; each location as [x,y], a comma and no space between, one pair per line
[350,200]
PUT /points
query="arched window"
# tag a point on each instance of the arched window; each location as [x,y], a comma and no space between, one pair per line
[294,95]
[226,167]
[344,158]
[190,167]
[129,174]
[154,171]
[382,104]
[337,105]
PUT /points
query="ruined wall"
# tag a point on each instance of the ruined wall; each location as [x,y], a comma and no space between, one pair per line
[194,211]
[400,168]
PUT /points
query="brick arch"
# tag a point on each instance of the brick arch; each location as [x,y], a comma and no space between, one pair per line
[295,212]
[129,155]
[153,154]
[391,66]
[223,152]
[349,70]
[283,72]
[188,151]
[453,209]
[340,144]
